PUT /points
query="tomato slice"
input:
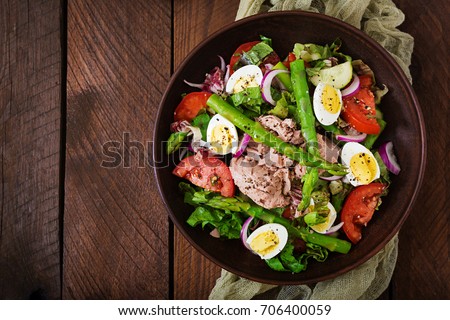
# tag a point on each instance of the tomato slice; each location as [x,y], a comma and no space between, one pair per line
[358,209]
[359,111]
[365,81]
[207,172]
[238,52]
[290,58]
[190,105]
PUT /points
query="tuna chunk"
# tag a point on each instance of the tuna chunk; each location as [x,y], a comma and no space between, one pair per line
[328,150]
[267,186]
[266,176]
[267,156]
[284,129]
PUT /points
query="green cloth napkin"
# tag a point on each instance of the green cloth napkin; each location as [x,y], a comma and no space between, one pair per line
[379,19]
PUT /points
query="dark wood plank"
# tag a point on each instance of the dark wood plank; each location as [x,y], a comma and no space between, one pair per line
[30,96]
[115,226]
[194,275]
[423,268]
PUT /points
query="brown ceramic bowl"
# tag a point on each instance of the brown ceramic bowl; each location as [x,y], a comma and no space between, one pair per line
[402,113]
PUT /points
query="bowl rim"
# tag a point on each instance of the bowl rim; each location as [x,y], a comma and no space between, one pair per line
[409,92]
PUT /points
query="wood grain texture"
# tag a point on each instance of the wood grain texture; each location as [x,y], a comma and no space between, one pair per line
[115,226]
[423,266]
[30,94]
[195,275]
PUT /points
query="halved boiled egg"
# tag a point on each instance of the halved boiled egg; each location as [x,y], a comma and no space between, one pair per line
[329,221]
[268,240]
[244,77]
[221,135]
[361,162]
[327,103]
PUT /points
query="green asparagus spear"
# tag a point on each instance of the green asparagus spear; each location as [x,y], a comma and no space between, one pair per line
[238,205]
[283,77]
[333,128]
[259,134]
[309,182]
[308,125]
[303,100]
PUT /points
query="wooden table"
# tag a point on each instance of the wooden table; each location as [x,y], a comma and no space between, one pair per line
[76,75]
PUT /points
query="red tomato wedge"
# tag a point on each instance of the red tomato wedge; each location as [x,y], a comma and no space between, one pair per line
[290,58]
[365,81]
[358,209]
[238,52]
[190,106]
[359,111]
[207,172]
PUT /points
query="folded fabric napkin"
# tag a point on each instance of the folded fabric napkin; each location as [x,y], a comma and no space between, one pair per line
[379,19]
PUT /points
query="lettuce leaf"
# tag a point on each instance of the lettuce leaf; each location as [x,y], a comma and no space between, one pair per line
[201,121]
[281,109]
[175,140]
[311,52]
[257,53]
[249,98]
[227,223]
[289,261]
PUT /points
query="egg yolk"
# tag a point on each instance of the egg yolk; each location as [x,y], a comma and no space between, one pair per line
[330,99]
[221,139]
[363,167]
[245,82]
[265,242]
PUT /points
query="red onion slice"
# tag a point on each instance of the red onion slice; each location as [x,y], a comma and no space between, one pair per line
[352,88]
[227,75]
[348,138]
[222,64]
[244,233]
[332,178]
[194,85]
[244,142]
[335,228]
[387,154]
[182,153]
[266,83]
[195,146]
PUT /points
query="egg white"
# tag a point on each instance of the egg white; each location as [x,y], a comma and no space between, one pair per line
[244,77]
[323,115]
[279,230]
[348,151]
[220,140]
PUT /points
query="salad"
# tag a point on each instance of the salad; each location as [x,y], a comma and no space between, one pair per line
[279,151]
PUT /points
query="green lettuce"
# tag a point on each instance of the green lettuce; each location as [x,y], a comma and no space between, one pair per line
[227,223]
[281,109]
[289,261]
[249,98]
[175,140]
[201,121]
[257,53]
[311,52]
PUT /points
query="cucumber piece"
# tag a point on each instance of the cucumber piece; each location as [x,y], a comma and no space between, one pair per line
[338,76]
